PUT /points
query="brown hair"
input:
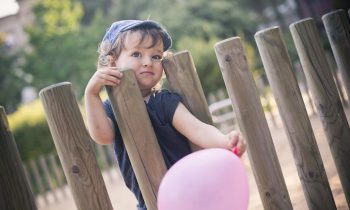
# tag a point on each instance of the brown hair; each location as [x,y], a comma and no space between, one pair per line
[107,49]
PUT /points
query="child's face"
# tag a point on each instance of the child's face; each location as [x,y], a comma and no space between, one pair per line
[145,61]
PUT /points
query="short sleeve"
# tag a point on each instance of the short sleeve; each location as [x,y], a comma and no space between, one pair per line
[109,111]
[167,104]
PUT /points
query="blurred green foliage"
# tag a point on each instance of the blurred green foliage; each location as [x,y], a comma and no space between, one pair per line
[11,80]
[31,131]
[66,33]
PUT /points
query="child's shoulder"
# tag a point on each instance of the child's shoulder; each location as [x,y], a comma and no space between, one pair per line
[165,93]
[165,97]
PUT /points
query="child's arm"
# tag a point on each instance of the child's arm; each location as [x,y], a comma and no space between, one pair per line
[100,126]
[204,135]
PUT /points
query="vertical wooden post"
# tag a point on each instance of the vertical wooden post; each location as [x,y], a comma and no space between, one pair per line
[57,171]
[260,84]
[296,121]
[138,136]
[47,176]
[250,115]
[15,193]
[38,180]
[338,31]
[325,95]
[183,78]
[74,148]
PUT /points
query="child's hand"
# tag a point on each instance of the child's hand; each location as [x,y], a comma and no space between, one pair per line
[103,76]
[236,142]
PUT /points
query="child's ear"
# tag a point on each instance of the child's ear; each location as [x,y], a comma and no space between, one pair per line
[111,60]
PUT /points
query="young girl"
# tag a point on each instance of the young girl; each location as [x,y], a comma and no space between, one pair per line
[140,45]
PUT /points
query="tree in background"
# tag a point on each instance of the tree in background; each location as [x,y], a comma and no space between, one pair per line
[62,49]
[12,80]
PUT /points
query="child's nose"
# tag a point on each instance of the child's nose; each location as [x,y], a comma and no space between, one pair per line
[146,61]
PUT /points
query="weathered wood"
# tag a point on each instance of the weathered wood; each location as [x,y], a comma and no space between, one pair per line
[338,31]
[101,155]
[74,148]
[183,78]
[47,176]
[260,84]
[251,119]
[38,180]
[325,96]
[57,170]
[15,192]
[28,178]
[138,136]
[295,119]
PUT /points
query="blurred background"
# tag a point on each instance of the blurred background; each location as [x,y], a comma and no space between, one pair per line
[43,42]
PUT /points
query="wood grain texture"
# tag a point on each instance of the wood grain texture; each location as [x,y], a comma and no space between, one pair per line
[74,148]
[15,192]
[329,108]
[338,31]
[183,79]
[138,135]
[251,119]
[295,119]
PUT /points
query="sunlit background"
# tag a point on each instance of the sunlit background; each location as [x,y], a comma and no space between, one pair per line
[43,42]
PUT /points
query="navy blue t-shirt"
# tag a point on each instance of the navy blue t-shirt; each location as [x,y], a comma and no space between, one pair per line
[161,108]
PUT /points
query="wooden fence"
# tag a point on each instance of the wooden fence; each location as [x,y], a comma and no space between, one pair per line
[46,178]
[79,163]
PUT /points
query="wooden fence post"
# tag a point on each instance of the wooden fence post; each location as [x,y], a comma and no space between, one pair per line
[325,95]
[15,192]
[183,79]
[74,148]
[138,136]
[296,121]
[250,115]
[38,180]
[57,170]
[338,31]
[260,84]
[47,176]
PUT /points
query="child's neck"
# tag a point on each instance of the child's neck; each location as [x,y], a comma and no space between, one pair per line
[146,94]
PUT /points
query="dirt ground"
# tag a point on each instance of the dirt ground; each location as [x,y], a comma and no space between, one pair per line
[122,199]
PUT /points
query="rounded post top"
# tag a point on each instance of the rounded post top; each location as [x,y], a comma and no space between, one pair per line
[272,29]
[302,21]
[222,42]
[329,14]
[181,52]
[54,86]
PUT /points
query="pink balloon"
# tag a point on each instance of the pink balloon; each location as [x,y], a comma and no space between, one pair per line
[210,179]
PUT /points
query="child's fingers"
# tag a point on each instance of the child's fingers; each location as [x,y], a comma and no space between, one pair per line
[107,79]
[233,138]
[241,146]
[110,72]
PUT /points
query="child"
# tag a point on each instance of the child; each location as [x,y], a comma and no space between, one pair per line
[140,45]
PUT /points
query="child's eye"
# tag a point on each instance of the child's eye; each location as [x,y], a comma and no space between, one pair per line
[136,54]
[157,57]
